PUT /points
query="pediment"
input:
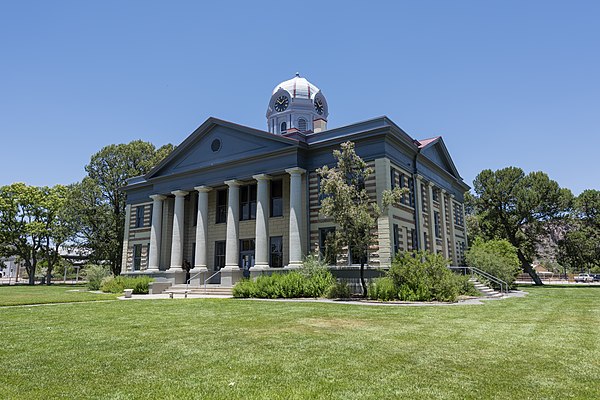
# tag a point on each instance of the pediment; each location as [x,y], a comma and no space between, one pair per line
[438,154]
[218,142]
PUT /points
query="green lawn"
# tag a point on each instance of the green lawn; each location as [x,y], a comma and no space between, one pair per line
[41,294]
[543,346]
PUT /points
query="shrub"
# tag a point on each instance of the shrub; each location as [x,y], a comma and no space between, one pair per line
[496,257]
[383,289]
[139,284]
[94,275]
[418,276]
[339,290]
[310,281]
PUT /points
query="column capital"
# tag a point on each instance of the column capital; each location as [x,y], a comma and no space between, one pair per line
[158,197]
[443,191]
[295,170]
[452,196]
[179,193]
[420,177]
[233,183]
[430,184]
[204,189]
[261,177]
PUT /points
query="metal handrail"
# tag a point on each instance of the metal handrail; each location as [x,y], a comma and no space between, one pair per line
[503,285]
[210,277]
[187,283]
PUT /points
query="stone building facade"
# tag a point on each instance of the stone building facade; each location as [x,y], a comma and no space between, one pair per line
[240,200]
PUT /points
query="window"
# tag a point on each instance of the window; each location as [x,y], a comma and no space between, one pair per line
[137,257]
[355,256]
[413,239]
[247,202]
[139,216]
[276,252]
[276,198]
[219,255]
[436,221]
[221,206]
[458,215]
[425,244]
[246,256]
[283,127]
[435,193]
[326,250]
[396,239]
[302,125]
[411,192]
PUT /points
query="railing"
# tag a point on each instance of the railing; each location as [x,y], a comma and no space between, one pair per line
[209,278]
[187,283]
[476,271]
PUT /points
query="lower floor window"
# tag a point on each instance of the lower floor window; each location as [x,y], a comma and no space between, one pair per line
[326,248]
[137,256]
[219,255]
[276,252]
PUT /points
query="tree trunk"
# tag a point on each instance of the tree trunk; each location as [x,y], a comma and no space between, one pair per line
[362,277]
[529,269]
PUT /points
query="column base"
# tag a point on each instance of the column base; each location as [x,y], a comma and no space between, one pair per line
[230,275]
[259,270]
[175,275]
[198,275]
[293,265]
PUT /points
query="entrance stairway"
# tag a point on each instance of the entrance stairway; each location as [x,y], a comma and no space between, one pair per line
[210,290]
[485,290]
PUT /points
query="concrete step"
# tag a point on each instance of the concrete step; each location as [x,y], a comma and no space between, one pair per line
[210,290]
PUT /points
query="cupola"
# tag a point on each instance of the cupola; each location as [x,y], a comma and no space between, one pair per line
[296,105]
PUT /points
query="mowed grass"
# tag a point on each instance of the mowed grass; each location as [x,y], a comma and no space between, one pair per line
[42,294]
[543,346]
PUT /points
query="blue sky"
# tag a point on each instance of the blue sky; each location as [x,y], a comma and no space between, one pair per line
[504,82]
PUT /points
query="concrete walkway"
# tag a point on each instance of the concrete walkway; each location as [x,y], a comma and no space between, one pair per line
[469,301]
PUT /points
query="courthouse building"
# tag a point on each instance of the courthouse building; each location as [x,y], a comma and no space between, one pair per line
[232,198]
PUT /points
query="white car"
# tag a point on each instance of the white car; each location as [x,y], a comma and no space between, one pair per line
[584,278]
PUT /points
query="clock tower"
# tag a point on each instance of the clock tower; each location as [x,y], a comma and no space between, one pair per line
[297,105]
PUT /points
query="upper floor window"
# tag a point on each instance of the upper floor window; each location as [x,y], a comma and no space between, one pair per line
[436,194]
[221,206]
[393,175]
[276,198]
[139,216]
[283,127]
[302,125]
[436,221]
[411,192]
[247,202]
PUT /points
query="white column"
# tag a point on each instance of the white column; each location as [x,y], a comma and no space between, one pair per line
[124,266]
[452,231]
[443,223]
[178,223]
[464,219]
[262,222]
[155,232]
[233,216]
[294,240]
[432,236]
[201,255]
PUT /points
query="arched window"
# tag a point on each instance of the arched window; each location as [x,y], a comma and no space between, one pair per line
[302,125]
[283,128]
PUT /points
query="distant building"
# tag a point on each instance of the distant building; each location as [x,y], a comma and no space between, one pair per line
[9,268]
[231,196]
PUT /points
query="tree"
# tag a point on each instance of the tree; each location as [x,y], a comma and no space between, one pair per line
[496,257]
[34,223]
[101,202]
[511,205]
[348,203]
[579,249]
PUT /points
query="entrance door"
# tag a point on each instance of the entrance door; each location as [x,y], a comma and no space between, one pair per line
[246,260]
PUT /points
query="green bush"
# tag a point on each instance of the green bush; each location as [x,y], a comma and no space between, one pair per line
[94,275]
[383,289]
[418,276]
[310,281]
[339,290]
[139,284]
[496,257]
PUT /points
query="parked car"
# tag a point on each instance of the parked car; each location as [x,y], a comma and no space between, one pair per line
[596,277]
[584,278]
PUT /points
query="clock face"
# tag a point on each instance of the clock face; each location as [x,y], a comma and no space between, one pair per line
[319,106]
[281,103]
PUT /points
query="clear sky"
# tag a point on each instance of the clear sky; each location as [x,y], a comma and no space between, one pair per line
[504,82]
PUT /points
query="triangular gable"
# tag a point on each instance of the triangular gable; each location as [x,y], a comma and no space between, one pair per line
[237,142]
[435,150]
